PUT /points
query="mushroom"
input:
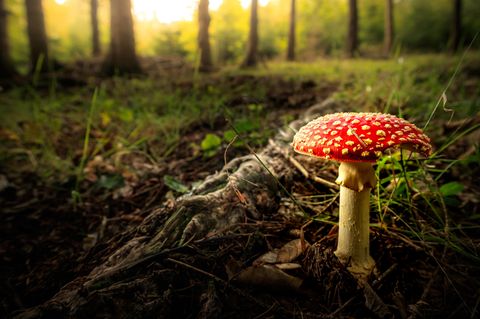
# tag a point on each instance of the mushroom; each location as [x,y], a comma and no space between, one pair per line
[357,140]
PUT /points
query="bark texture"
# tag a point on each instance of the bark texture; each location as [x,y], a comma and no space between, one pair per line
[203,37]
[388,31]
[251,58]
[122,57]
[352,35]
[291,33]
[6,64]
[456,26]
[95,31]
[243,189]
[37,36]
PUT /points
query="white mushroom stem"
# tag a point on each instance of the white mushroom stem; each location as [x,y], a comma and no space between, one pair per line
[353,248]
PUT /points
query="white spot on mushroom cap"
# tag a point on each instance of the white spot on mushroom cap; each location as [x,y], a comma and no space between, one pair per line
[380,133]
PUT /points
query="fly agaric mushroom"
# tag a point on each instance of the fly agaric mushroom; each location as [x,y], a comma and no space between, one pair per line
[357,140]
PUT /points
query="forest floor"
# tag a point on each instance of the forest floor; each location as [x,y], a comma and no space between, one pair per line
[84,159]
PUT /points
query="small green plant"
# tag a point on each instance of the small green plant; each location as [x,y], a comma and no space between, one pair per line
[211,144]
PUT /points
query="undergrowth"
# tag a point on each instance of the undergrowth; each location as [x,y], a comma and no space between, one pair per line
[430,203]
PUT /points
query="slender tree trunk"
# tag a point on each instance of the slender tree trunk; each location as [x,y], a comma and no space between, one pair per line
[122,58]
[291,33]
[6,65]
[252,47]
[456,25]
[203,36]
[352,38]
[95,31]
[388,32]
[37,36]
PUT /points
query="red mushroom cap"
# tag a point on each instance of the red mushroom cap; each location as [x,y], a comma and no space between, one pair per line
[358,137]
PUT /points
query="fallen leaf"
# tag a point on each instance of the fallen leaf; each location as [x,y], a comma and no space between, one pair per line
[288,266]
[267,258]
[270,278]
[291,250]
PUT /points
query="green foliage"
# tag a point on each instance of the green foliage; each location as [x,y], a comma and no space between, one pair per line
[211,144]
[110,182]
[229,31]
[168,42]
[451,189]
[321,29]
[424,24]
[174,184]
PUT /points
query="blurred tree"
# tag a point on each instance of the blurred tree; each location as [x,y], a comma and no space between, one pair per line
[168,42]
[315,35]
[37,36]
[228,29]
[122,57]
[388,31]
[95,31]
[203,37]
[423,24]
[352,37]
[291,33]
[456,32]
[6,64]
[252,46]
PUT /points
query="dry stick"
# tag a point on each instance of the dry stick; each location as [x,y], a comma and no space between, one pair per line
[348,302]
[263,314]
[474,311]
[376,283]
[302,169]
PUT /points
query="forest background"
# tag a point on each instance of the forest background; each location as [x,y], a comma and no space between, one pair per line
[321,30]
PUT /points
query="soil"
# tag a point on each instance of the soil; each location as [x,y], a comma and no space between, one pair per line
[47,242]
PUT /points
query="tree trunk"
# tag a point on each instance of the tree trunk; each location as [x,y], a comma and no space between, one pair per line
[252,47]
[388,32]
[352,38]
[203,37]
[95,30]
[37,36]
[291,34]
[456,26]
[122,58]
[6,64]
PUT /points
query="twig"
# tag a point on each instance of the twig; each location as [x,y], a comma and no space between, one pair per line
[302,169]
[376,283]
[405,239]
[336,312]
[263,314]
[181,263]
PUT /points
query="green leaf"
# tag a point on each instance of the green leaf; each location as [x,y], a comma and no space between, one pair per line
[110,181]
[174,184]
[211,144]
[451,189]
[229,135]
[126,115]
[246,125]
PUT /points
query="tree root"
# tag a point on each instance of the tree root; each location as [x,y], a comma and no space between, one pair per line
[246,188]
